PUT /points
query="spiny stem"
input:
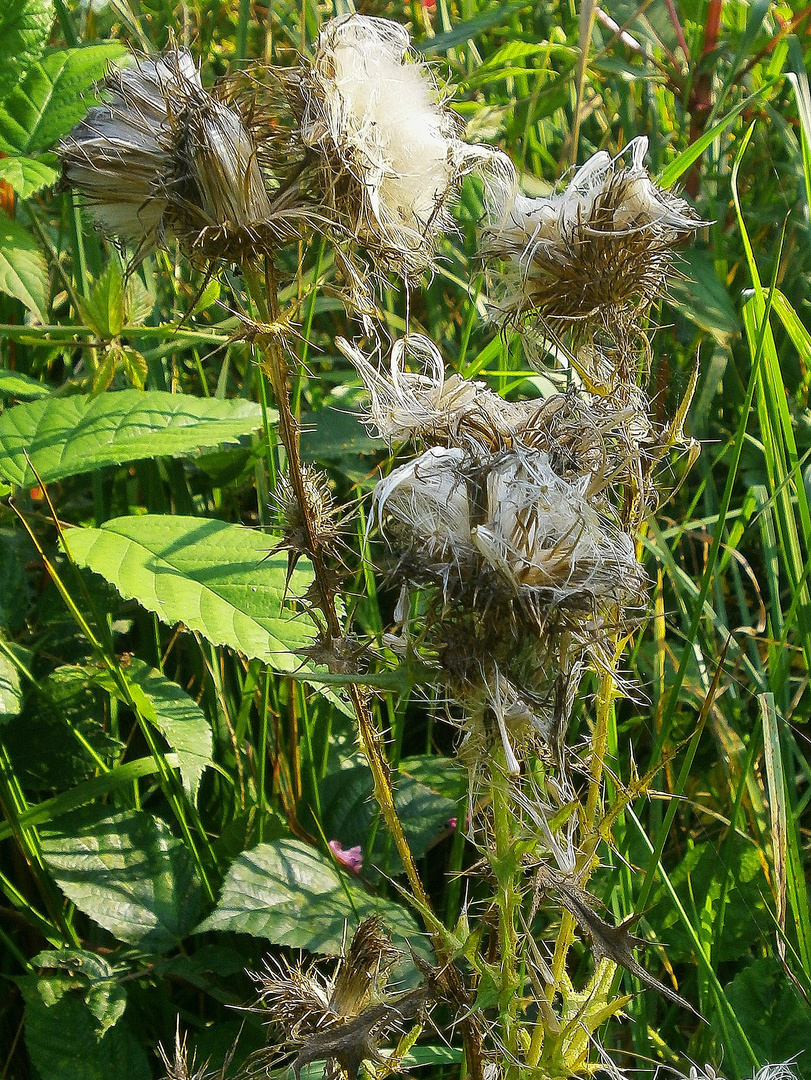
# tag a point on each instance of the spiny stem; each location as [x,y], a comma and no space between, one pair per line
[264,291]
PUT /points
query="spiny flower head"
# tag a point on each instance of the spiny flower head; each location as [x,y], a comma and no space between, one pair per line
[594,256]
[163,157]
[344,1016]
[389,152]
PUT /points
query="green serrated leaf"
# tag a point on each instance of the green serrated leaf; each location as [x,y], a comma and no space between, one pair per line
[27,175]
[103,309]
[128,873]
[64,1038]
[50,100]
[135,366]
[68,970]
[182,722]
[14,384]
[24,29]
[292,895]
[64,436]
[215,578]
[23,271]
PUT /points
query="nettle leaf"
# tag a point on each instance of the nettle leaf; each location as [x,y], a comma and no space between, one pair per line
[182,723]
[74,1023]
[15,384]
[24,29]
[216,578]
[65,436]
[50,100]
[292,895]
[23,270]
[27,175]
[128,873]
[103,310]
[65,971]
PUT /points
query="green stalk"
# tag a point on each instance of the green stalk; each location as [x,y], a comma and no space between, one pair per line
[263,290]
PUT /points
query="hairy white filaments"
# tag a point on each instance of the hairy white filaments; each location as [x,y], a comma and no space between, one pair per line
[597,252]
[163,157]
[510,517]
[427,405]
[390,147]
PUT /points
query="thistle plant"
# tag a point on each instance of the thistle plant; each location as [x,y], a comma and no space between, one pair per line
[508,532]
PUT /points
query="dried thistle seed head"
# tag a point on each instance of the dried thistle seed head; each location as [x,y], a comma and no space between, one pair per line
[508,520]
[544,537]
[428,509]
[364,971]
[594,256]
[344,1016]
[389,151]
[164,157]
[181,1067]
[427,406]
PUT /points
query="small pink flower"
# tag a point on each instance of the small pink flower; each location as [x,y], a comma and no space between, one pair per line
[451,823]
[352,858]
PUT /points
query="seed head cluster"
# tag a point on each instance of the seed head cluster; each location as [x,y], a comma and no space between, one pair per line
[506,512]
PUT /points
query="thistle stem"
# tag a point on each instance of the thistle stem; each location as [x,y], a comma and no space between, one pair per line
[263,289]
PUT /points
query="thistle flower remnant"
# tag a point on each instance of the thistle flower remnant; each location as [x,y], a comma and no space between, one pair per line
[389,151]
[506,525]
[593,257]
[163,157]
[343,1017]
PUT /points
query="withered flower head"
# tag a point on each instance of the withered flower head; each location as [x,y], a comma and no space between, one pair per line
[428,406]
[593,256]
[163,157]
[391,159]
[344,1016]
[507,517]
[182,1067]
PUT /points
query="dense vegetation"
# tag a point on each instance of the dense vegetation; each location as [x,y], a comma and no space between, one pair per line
[184,789]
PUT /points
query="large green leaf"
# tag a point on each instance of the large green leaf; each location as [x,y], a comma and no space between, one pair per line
[27,175]
[15,384]
[24,29]
[23,272]
[128,873]
[217,579]
[292,895]
[73,1019]
[182,722]
[51,99]
[64,436]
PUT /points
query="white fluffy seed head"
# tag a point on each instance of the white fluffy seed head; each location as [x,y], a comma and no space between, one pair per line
[426,406]
[510,518]
[390,148]
[164,157]
[597,253]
